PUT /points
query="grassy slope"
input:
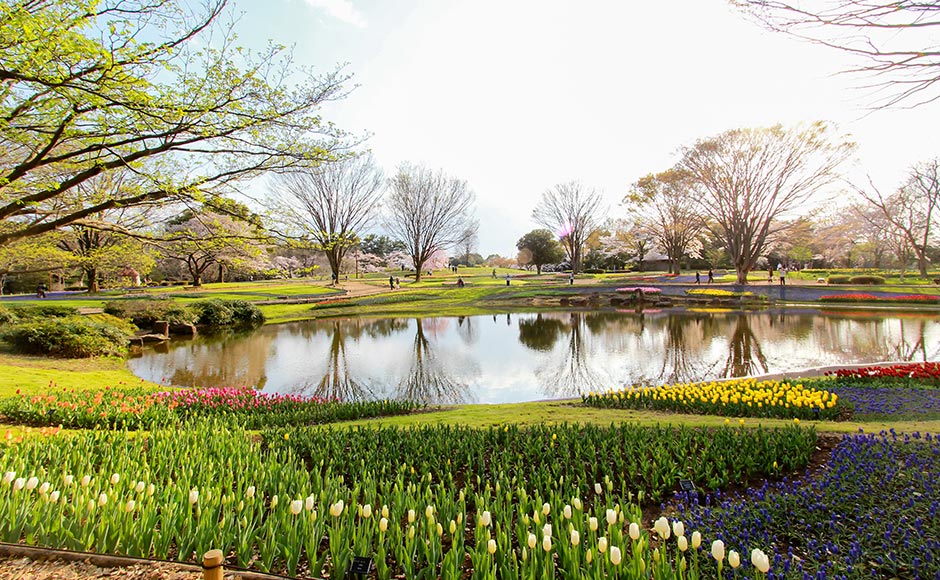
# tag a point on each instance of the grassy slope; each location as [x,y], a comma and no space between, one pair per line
[34,375]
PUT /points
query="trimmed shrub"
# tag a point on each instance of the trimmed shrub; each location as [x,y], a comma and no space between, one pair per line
[42,311]
[72,337]
[838,279]
[867,279]
[219,313]
[144,313]
[7,316]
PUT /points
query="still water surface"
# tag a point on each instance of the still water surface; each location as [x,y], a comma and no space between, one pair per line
[532,356]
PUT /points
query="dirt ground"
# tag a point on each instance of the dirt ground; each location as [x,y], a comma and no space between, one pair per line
[25,569]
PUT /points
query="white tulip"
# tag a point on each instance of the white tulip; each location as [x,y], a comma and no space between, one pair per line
[602,544]
[678,528]
[8,477]
[103,499]
[193,496]
[383,524]
[634,531]
[546,509]
[598,489]
[367,511]
[429,512]
[696,539]
[411,516]
[718,550]
[491,546]
[129,506]
[486,519]
[532,540]
[31,483]
[760,560]
[273,501]
[683,543]
[250,492]
[615,556]
[734,559]
[44,488]
[309,503]
[91,505]
[576,502]
[54,496]
[86,479]
[547,543]
[440,529]
[611,517]
[566,511]
[296,506]
[384,511]
[115,478]
[140,487]
[336,509]
[575,538]
[150,489]
[592,523]
[68,479]
[547,530]
[662,528]
[19,483]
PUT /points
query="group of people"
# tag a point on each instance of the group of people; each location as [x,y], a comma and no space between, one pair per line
[711,276]
[781,272]
[394,282]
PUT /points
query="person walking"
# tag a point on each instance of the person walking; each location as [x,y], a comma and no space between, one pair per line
[571,279]
[711,276]
[391,282]
[507,279]
[698,277]
[783,276]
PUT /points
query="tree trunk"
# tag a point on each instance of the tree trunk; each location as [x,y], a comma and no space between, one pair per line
[538,269]
[742,276]
[221,273]
[922,263]
[92,275]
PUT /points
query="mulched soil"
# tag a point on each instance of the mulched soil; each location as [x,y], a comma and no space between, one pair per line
[23,569]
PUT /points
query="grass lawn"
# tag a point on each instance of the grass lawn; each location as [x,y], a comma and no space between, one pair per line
[36,375]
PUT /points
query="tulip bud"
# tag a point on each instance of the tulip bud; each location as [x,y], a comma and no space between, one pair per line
[86,479]
[19,483]
[273,501]
[634,531]
[54,496]
[139,488]
[576,502]
[309,503]
[575,538]
[683,543]
[592,523]
[193,496]
[615,556]
[250,492]
[718,550]
[383,524]
[486,519]
[734,559]
[69,479]
[8,477]
[525,554]
[429,512]
[44,488]
[91,505]
[150,489]
[296,507]
[102,499]
[411,516]
[115,478]
[491,546]
[589,556]
[546,509]
[453,526]
[602,544]
[31,483]
[129,506]
[367,511]
[547,543]
[547,530]
[678,528]
[566,511]
[411,532]
[598,489]
[532,540]
[384,511]
[696,539]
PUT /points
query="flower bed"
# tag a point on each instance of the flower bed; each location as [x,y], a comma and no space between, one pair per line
[507,503]
[720,293]
[928,371]
[873,513]
[640,289]
[736,398]
[112,408]
[902,299]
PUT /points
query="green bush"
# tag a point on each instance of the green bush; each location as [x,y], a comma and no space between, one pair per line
[43,311]
[144,313]
[219,313]
[868,279]
[7,316]
[838,279]
[72,337]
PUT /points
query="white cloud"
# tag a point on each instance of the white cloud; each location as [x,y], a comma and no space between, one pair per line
[341,10]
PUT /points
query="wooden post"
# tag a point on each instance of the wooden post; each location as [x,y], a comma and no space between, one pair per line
[212,565]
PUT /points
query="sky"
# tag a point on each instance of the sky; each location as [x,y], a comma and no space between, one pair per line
[516,96]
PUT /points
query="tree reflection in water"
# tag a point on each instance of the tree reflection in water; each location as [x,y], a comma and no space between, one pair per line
[428,380]
[571,374]
[337,381]
[745,356]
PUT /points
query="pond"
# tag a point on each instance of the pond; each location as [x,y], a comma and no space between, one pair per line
[517,357]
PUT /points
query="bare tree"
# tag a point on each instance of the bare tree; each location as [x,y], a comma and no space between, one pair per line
[573,212]
[913,208]
[469,239]
[746,179]
[428,210]
[895,42]
[669,212]
[331,205]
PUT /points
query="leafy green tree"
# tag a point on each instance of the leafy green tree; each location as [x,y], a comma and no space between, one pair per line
[539,247]
[157,87]
[380,246]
